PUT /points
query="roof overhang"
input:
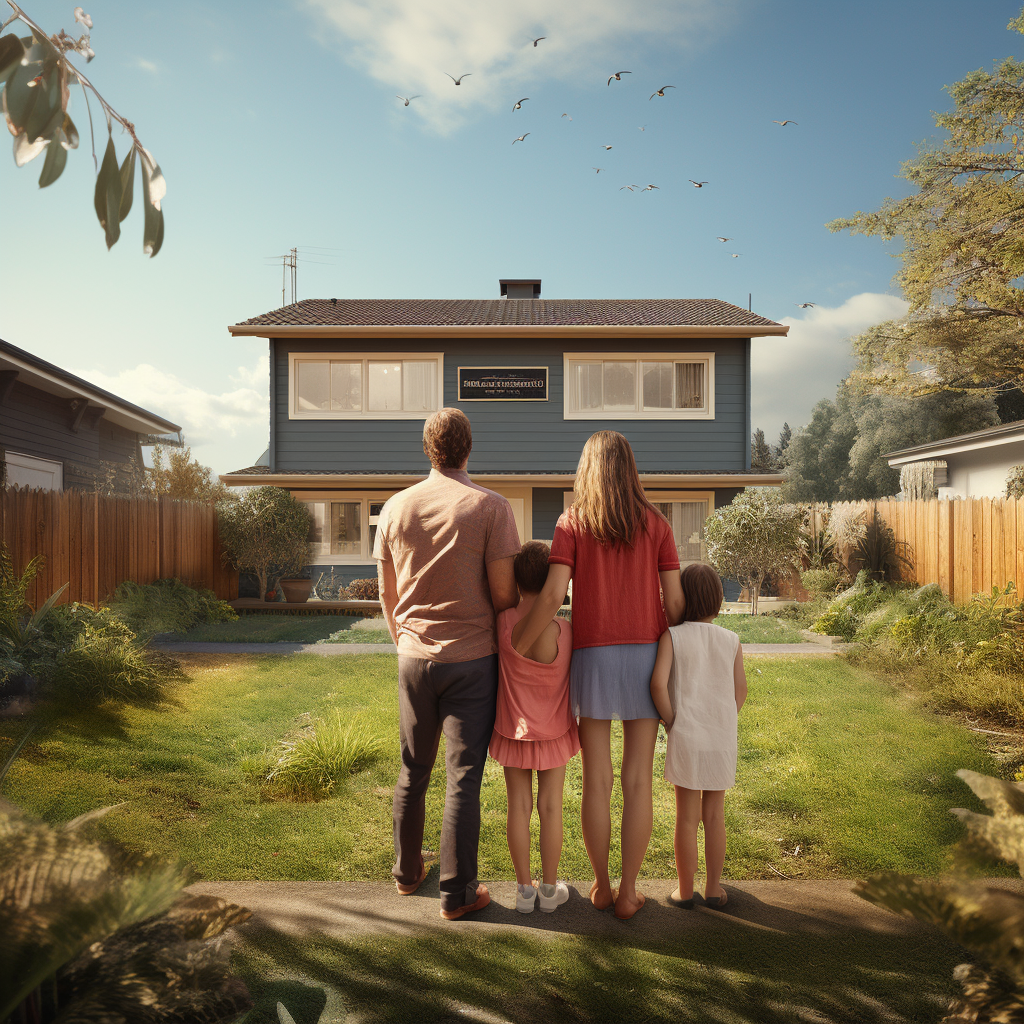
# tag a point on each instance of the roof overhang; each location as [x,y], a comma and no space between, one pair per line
[953,446]
[507,331]
[383,481]
[46,377]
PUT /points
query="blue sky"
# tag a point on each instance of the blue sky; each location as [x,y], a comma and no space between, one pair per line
[276,125]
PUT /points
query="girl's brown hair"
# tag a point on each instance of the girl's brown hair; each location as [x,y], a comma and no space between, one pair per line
[610,501]
[702,592]
[531,567]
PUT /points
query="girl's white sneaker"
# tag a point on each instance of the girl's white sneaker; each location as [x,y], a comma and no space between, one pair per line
[551,896]
[526,897]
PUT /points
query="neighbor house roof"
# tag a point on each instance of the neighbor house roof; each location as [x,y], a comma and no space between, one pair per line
[990,437]
[38,373]
[509,317]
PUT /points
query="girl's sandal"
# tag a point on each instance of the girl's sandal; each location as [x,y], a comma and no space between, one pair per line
[677,901]
[716,902]
[640,901]
[603,905]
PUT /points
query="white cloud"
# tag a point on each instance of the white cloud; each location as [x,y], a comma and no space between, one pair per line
[789,376]
[411,44]
[226,430]
[146,65]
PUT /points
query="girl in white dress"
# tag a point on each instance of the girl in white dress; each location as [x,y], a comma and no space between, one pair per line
[699,686]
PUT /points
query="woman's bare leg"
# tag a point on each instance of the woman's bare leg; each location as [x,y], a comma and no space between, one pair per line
[519,787]
[550,784]
[688,811]
[596,745]
[712,813]
[638,739]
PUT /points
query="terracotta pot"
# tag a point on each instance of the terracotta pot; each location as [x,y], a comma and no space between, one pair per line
[296,591]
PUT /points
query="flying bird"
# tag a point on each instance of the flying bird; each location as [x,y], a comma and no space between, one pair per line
[642,127]
[519,104]
[630,187]
[458,81]
[606,147]
[659,92]
[721,239]
[649,188]
[598,169]
[735,255]
[784,123]
[804,305]
[407,100]
[696,184]
[617,77]
[520,139]
[538,39]
[566,115]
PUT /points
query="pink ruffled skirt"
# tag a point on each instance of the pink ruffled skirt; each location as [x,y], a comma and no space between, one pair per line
[537,755]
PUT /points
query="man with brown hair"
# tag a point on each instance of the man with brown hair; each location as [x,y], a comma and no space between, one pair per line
[444,549]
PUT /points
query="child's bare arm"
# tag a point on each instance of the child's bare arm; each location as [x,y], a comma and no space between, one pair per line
[739,677]
[660,677]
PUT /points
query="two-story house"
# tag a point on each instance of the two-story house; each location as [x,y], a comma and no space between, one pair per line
[351,382]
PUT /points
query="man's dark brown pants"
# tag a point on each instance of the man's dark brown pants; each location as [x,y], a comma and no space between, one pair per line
[457,699]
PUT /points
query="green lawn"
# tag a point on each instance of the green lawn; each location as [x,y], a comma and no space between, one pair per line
[736,976]
[832,761]
[268,627]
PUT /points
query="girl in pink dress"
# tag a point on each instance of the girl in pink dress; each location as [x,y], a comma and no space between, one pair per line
[534,730]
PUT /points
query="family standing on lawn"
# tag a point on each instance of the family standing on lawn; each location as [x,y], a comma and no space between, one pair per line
[483,659]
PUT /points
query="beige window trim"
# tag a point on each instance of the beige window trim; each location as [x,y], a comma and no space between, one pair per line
[364,498]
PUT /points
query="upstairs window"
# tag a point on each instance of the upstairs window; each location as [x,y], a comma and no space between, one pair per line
[629,386]
[325,386]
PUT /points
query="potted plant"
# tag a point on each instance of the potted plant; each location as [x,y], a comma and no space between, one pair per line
[297,588]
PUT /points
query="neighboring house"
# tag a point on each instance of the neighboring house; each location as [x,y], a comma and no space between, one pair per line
[351,382]
[58,431]
[976,464]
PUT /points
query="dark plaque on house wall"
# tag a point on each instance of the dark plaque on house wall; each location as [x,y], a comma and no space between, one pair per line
[503,383]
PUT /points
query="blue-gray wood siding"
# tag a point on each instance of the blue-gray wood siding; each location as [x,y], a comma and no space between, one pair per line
[517,437]
[34,422]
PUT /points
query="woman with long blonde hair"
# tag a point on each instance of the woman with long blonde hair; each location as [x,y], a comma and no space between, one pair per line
[620,554]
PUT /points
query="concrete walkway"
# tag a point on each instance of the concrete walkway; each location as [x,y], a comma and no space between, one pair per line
[287,647]
[347,910]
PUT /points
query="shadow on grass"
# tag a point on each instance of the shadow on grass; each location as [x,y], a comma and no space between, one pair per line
[736,976]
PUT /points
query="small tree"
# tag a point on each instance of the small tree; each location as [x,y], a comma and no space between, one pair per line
[176,474]
[760,452]
[267,530]
[755,536]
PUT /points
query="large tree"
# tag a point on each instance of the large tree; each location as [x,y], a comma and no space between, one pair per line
[963,248]
[176,474]
[838,456]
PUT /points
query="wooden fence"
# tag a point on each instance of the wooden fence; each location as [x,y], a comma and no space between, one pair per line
[93,543]
[967,545]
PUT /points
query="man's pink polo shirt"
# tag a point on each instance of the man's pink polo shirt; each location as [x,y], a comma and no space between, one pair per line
[440,534]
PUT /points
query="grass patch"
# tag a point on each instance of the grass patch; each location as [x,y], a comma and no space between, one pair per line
[760,629]
[735,976]
[269,627]
[832,761]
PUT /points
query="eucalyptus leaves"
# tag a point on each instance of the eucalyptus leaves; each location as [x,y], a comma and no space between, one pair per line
[36,78]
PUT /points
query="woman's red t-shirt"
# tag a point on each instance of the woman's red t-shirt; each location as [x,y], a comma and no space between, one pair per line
[616,592]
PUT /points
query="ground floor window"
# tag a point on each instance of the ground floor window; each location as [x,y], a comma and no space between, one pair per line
[28,471]
[343,525]
[686,512]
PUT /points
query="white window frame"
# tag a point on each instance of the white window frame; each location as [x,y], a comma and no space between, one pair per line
[35,465]
[707,358]
[364,499]
[295,413]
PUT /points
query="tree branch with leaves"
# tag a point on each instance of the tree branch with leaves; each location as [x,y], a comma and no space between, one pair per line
[36,76]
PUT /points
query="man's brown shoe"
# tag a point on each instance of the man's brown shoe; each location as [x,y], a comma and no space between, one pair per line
[483,897]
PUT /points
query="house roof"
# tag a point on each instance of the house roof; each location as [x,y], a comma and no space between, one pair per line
[48,377]
[990,437]
[509,317]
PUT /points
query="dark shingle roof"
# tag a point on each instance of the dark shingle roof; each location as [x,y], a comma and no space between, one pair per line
[510,312]
[259,470]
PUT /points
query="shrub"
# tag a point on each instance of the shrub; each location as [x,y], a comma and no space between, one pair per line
[823,582]
[837,622]
[91,657]
[879,553]
[167,606]
[364,590]
[326,753]
[1015,482]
